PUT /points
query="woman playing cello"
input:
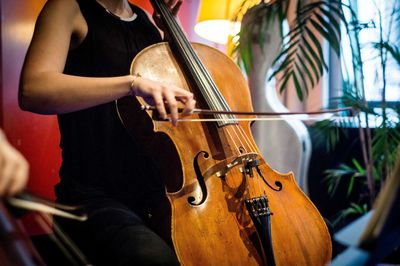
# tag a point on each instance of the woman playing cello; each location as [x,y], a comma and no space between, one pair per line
[77,65]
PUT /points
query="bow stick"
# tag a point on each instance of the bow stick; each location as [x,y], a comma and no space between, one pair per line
[212,112]
[268,114]
[33,203]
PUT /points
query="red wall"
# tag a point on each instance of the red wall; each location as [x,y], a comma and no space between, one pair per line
[36,136]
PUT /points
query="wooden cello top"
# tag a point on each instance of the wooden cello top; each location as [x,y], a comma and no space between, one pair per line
[218,184]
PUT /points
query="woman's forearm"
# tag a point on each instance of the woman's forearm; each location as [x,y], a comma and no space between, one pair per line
[56,93]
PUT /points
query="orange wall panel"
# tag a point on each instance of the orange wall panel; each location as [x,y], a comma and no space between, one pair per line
[36,136]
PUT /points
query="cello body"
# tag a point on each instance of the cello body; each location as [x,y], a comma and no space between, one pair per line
[227,206]
[217,182]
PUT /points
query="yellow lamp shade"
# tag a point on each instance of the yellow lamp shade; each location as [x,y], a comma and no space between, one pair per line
[215,21]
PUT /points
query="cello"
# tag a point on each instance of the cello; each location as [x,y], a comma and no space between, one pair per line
[16,249]
[228,207]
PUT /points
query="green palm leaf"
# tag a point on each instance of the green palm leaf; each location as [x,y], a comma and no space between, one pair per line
[301,59]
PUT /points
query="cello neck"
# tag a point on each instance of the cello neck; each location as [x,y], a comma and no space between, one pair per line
[195,72]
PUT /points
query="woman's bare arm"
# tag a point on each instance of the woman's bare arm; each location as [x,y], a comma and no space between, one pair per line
[45,89]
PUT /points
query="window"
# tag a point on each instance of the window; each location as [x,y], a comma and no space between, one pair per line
[368,12]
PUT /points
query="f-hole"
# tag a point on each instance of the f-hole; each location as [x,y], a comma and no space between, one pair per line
[192,200]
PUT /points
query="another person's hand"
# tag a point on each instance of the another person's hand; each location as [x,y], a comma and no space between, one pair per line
[164,96]
[13,168]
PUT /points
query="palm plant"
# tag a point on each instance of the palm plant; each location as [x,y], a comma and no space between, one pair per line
[301,59]
[301,62]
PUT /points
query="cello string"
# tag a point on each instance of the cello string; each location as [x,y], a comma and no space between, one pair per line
[246,137]
[193,63]
[179,41]
[243,139]
[258,187]
[250,186]
[237,147]
[239,151]
[208,87]
[233,139]
[247,146]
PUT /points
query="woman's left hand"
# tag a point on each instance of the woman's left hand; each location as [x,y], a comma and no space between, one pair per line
[173,6]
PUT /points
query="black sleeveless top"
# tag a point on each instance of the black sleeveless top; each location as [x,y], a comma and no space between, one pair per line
[99,157]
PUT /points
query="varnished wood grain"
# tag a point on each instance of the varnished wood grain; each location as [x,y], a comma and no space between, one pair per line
[220,231]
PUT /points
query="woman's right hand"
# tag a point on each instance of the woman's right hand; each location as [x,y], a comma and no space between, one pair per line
[164,97]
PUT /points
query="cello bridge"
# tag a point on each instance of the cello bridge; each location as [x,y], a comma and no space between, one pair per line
[242,159]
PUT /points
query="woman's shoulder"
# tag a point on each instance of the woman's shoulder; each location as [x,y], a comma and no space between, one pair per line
[56,10]
[66,14]
[63,6]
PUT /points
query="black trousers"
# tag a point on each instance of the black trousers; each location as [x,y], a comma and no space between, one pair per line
[115,235]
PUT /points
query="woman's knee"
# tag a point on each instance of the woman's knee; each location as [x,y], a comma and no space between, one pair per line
[138,245]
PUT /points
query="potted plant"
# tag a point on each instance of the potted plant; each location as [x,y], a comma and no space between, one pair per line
[301,62]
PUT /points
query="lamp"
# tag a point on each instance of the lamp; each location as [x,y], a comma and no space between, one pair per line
[215,20]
